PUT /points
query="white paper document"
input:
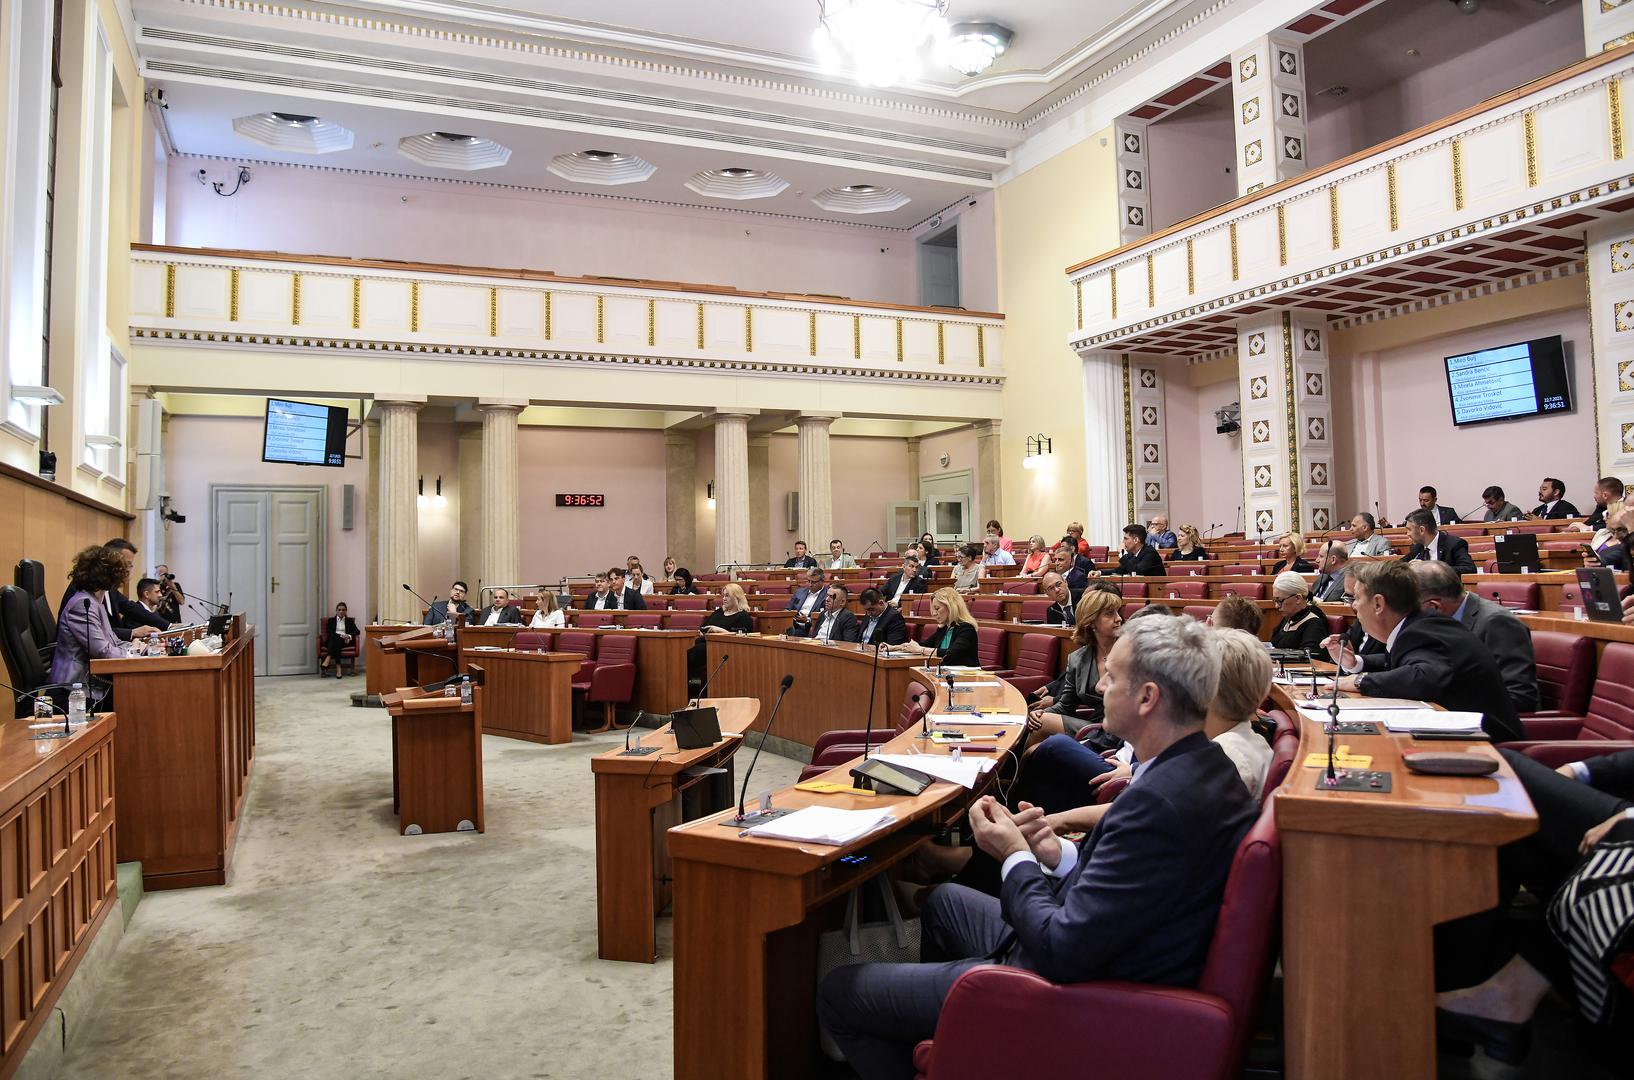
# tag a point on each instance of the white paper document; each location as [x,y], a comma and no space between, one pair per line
[824,825]
[1430,720]
[956,718]
[1365,704]
[965,771]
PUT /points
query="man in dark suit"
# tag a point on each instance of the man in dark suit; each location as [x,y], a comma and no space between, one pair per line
[801,557]
[618,597]
[338,633]
[807,602]
[1495,626]
[1444,515]
[1552,504]
[1427,656]
[128,618]
[882,621]
[1607,490]
[836,623]
[906,581]
[1138,556]
[500,612]
[1331,559]
[1136,901]
[1429,542]
[443,610]
[1065,563]
[1062,602]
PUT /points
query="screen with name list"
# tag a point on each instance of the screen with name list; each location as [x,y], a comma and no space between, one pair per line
[1524,379]
[302,434]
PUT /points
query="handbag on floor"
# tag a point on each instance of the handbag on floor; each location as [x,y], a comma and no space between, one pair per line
[894,941]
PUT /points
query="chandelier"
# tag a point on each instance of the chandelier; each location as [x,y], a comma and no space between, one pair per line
[882,38]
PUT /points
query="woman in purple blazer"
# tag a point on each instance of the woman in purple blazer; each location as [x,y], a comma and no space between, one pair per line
[83,630]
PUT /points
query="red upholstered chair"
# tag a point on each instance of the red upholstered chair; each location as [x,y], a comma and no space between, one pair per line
[1511,594]
[712,577]
[834,747]
[1336,624]
[532,640]
[1200,612]
[1240,570]
[1099,554]
[1035,662]
[990,648]
[1556,754]
[1035,610]
[1248,590]
[611,680]
[1284,749]
[592,619]
[1610,715]
[921,607]
[1538,527]
[650,619]
[1132,590]
[928,632]
[686,620]
[1184,590]
[782,588]
[1491,566]
[1129,608]
[986,608]
[1565,665]
[1463,530]
[1571,598]
[689,603]
[585,646]
[348,653]
[1021,587]
[1186,569]
[1140,1030]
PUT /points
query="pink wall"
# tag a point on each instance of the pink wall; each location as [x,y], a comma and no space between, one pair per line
[1393,425]
[335,213]
[867,474]
[441,561]
[626,466]
[1205,468]
[1191,155]
[205,450]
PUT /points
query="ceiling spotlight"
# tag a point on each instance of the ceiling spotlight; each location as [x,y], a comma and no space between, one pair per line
[972,47]
[739,173]
[860,189]
[451,137]
[1468,7]
[600,155]
[294,119]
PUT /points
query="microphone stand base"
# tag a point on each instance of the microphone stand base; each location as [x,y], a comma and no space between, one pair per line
[1351,727]
[638,751]
[55,734]
[749,821]
[1369,780]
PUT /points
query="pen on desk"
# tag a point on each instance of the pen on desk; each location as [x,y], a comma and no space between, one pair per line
[981,749]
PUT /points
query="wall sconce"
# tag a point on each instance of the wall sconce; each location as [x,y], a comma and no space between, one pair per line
[709,490]
[1038,451]
[439,500]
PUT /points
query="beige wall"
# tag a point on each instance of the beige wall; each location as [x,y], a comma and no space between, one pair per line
[1052,216]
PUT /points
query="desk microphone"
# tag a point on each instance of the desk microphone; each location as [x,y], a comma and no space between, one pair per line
[36,695]
[429,604]
[868,728]
[711,678]
[749,820]
[220,608]
[1333,724]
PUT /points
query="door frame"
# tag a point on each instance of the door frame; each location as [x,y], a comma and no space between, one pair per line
[321,491]
[969,494]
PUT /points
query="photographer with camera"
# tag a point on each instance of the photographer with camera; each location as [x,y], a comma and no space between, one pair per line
[170,594]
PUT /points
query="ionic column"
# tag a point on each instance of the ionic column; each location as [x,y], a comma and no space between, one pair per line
[1106,496]
[1268,112]
[760,487]
[501,527]
[989,468]
[731,488]
[816,483]
[398,554]
[913,466]
[681,497]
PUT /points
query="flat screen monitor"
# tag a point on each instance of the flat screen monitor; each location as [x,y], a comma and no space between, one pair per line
[301,434]
[1527,378]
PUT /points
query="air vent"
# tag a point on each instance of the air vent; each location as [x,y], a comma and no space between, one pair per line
[447,150]
[860,199]
[1337,90]
[737,183]
[601,167]
[294,131]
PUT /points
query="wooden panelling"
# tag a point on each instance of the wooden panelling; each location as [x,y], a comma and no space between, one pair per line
[50,523]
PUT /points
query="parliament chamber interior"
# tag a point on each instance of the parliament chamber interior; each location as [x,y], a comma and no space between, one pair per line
[833,538]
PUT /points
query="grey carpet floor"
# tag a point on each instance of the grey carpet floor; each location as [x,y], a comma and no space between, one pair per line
[340,949]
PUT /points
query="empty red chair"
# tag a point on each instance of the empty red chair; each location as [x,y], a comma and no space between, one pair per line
[921,607]
[1129,608]
[835,747]
[1035,662]
[1565,664]
[689,603]
[990,648]
[686,620]
[1240,570]
[532,640]
[1511,594]
[1200,612]
[348,652]
[612,679]
[1021,587]
[1248,590]
[650,619]
[1543,527]
[1132,590]
[1463,530]
[1099,554]
[1491,566]
[1035,610]
[712,577]
[986,608]
[584,645]
[592,619]
[1140,1030]
[780,587]
[1610,714]
[1336,624]
[1571,598]
[1186,569]
[1182,590]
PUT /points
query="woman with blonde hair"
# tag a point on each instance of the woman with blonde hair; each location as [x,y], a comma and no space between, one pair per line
[1037,560]
[1291,555]
[1095,625]
[955,642]
[1190,545]
[546,614]
[1303,625]
[731,617]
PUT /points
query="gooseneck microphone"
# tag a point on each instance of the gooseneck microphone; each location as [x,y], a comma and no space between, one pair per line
[768,814]
[693,704]
[220,607]
[35,695]
[430,604]
[868,728]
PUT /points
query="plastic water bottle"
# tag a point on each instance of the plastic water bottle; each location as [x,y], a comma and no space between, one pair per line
[465,689]
[42,708]
[76,704]
[451,691]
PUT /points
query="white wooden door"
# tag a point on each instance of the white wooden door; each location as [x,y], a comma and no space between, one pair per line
[269,560]
[904,521]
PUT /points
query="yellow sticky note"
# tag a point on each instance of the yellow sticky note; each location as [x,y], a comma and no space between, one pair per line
[829,787]
[1342,759]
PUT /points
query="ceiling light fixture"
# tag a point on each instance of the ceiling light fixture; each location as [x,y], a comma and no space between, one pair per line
[1468,7]
[972,47]
[860,189]
[451,137]
[882,38]
[295,119]
[739,173]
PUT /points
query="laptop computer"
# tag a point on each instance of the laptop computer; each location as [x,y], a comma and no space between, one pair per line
[695,729]
[1517,553]
[1600,599]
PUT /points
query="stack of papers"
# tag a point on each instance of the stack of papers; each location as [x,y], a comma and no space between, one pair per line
[977,717]
[1430,720]
[1365,704]
[824,825]
[965,771]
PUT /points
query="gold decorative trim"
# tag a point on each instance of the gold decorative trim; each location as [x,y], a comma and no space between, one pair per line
[748,329]
[700,327]
[1530,123]
[493,313]
[899,341]
[1333,215]
[1234,274]
[295,302]
[548,326]
[1078,288]
[1390,181]
[601,319]
[1191,269]
[1458,174]
[981,345]
[1293,418]
[357,303]
[1112,279]
[170,291]
[941,345]
[1614,105]
[1151,283]
[652,323]
[1282,235]
[856,337]
[1128,443]
[811,332]
[232,296]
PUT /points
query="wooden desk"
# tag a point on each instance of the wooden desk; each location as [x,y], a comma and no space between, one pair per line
[831,682]
[436,761]
[383,672]
[637,800]
[660,658]
[1365,878]
[411,657]
[748,911]
[57,844]
[183,751]
[528,695]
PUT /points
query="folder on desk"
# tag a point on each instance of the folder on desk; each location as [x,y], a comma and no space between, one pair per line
[824,825]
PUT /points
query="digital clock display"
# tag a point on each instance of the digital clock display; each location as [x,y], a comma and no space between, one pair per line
[581,500]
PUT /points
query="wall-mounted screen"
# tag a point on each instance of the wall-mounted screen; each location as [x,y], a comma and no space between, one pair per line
[301,434]
[1524,379]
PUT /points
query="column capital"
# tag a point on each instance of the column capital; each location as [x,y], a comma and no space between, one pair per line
[986,428]
[824,419]
[732,414]
[502,404]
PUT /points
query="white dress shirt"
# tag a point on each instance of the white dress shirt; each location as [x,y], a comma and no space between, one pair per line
[809,603]
[492,618]
[1355,664]
[556,618]
[825,629]
[646,586]
[340,625]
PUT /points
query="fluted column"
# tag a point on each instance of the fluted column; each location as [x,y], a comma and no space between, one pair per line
[397,556]
[760,517]
[989,468]
[681,498]
[731,488]
[501,527]
[816,483]
[1106,502]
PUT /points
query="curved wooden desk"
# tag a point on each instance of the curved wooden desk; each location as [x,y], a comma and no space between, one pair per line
[831,682]
[660,659]
[638,798]
[748,911]
[1365,878]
